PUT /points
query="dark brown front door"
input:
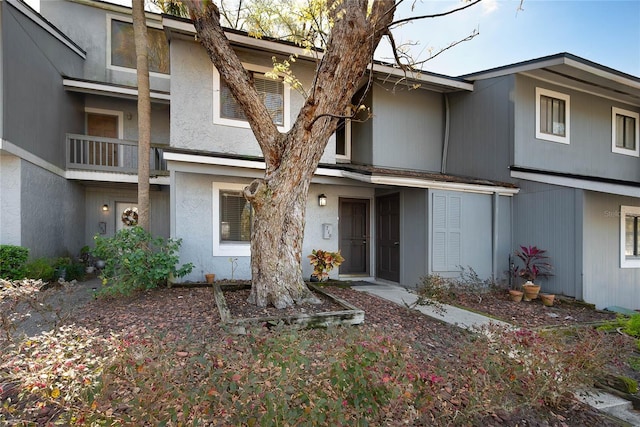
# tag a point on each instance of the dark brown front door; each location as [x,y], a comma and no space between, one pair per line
[354,236]
[102,153]
[388,239]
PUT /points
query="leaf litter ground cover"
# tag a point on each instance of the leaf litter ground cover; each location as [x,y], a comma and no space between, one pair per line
[174,364]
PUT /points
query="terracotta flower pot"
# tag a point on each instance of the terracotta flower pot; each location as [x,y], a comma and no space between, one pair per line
[210,277]
[515,296]
[530,291]
[547,299]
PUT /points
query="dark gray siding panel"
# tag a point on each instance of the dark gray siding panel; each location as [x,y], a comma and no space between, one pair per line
[481,131]
[544,216]
[589,151]
[408,128]
[37,112]
[362,138]
[52,213]
[605,283]
[413,262]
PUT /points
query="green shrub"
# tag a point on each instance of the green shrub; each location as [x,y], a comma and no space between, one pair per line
[135,260]
[40,268]
[13,260]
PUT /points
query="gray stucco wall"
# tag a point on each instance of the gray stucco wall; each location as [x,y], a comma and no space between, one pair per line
[10,195]
[481,131]
[92,37]
[52,211]
[160,117]
[192,123]
[605,283]
[408,128]
[589,151]
[37,111]
[193,204]
[549,217]
[97,196]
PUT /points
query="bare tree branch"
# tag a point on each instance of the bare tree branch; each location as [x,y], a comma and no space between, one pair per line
[436,15]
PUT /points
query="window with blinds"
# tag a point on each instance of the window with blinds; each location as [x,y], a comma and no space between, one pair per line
[630,237]
[624,132]
[552,115]
[235,217]
[271,94]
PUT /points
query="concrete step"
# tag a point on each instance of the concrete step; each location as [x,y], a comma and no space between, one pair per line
[610,404]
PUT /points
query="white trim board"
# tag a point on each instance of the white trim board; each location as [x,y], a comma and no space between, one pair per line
[602,187]
[101,89]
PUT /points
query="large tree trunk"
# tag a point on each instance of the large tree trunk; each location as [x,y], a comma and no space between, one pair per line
[276,244]
[144,110]
[279,199]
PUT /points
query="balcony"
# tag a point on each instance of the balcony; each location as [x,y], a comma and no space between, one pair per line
[98,154]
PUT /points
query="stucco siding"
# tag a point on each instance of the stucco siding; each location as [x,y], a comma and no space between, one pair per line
[193,204]
[10,195]
[97,196]
[37,111]
[160,117]
[51,213]
[192,115]
[605,283]
[589,151]
[92,37]
[408,128]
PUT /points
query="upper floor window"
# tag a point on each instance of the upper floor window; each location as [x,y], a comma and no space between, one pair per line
[629,237]
[552,116]
[122,49]
[274,94]
[343,139]
[624,132]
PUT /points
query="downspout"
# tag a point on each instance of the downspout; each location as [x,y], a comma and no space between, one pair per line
[494,237]
[445,142]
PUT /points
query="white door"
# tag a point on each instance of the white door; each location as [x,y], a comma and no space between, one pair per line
[126,215]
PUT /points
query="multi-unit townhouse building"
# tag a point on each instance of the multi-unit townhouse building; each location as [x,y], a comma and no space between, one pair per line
[457,173]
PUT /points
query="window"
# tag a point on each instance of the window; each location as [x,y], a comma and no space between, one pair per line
[624,132]
[271,94]
[235,217]
[629,237]
[232,216]
[274,93]
[122,49]
[552,116]
[343,139]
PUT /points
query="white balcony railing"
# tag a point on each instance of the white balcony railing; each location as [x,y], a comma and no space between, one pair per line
[111,155]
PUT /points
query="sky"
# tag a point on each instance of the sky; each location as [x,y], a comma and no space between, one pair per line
[603,31]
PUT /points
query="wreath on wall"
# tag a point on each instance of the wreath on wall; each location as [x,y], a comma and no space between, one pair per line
[129,217]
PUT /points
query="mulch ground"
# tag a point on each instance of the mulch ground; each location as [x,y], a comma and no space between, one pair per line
[178,310]
[531,314]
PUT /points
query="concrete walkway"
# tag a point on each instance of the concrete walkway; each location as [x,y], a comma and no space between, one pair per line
[604,402]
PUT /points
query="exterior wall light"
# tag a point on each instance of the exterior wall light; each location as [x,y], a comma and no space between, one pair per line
[105,207]
[322,200]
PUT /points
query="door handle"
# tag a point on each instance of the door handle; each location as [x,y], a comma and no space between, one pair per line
[396,243]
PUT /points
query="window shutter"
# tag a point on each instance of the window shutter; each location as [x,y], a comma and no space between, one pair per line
[447,232]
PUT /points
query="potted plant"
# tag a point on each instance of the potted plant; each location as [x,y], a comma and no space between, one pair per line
[534,264]
[323,262]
